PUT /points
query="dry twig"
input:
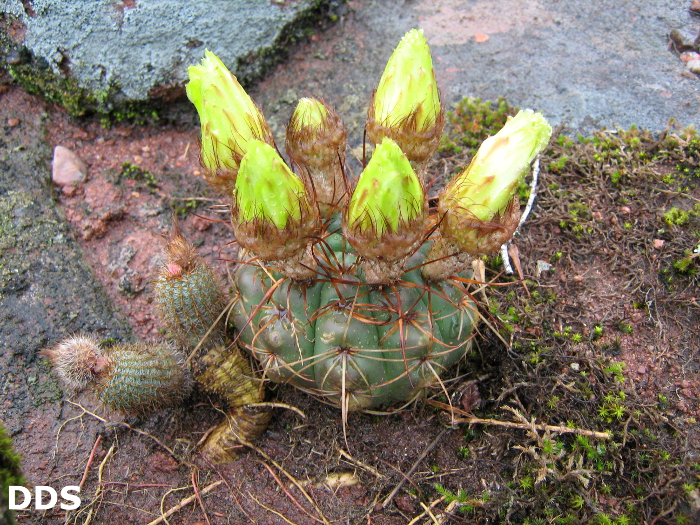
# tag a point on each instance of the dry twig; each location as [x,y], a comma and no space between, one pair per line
[185,502]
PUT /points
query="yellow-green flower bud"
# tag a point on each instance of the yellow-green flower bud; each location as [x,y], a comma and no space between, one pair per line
[406,105]
[316,143]
[407,89]
[271,213]
[310,114]
[387,192]
[386,217]
[229,119]
[266,189]
[481,202]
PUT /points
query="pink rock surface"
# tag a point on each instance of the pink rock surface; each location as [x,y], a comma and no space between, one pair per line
[68,168]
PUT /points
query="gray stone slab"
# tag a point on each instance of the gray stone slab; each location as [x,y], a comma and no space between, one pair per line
[587,65]
[138,46]
[46,289]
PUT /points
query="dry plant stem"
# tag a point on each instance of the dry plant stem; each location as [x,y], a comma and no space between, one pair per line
[89,462]
[359,463]
[199,496]
[425,508]
[427,450]
[98,491]
[472,420]
[528,208]
[136,430]
[183,503]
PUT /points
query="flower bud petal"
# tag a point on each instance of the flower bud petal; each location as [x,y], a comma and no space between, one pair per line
[266,189]
[408,88]
[229,119]
[387,192]
[482,201]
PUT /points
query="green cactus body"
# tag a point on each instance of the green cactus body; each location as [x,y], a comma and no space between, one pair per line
[140,378]
[190,304]
[352,344]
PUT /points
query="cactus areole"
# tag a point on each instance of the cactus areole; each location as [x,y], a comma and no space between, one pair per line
[354,291]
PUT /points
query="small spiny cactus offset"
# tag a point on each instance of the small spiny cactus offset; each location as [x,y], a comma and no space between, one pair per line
[137,378]
[191,300]
[363,298]
[188,294]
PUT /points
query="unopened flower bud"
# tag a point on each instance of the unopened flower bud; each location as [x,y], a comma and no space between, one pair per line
[406,105]
[271,214]
[479,209]
[386,217]
[229,119]
[316,142]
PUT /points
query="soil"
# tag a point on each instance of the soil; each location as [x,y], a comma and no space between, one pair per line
[541,360]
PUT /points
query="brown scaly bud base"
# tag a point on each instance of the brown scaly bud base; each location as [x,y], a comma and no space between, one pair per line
[328,185]
[417,145]
[319,153]
[300,267]
[380,268]
[474,236]
[288,250]
[447,260]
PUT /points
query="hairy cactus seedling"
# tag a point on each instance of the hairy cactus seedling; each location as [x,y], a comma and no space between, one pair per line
[479,210]
[406,105]
[135,378]
[316,142]
[229,119]
[387,214]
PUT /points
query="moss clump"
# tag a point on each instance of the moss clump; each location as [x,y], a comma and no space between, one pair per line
[10,474]
[473,121]
[57,89]
[36,77]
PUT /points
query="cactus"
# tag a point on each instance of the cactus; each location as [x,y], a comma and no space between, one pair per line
[356,293]
[135,378]
[366,302]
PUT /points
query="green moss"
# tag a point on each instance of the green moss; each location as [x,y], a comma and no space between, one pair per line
[57,89]
[472,121]
[678,217]
[10,474]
